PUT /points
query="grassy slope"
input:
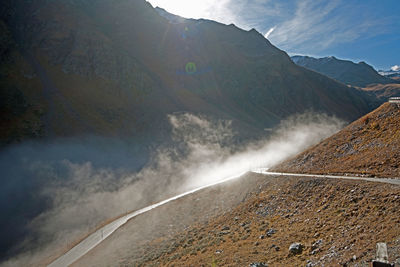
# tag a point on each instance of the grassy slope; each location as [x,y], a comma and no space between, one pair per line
[369,146]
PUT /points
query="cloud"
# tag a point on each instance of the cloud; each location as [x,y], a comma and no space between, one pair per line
[317,25]
[395,68]
[269,32]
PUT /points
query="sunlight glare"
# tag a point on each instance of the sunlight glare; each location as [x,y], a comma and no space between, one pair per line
[186,8]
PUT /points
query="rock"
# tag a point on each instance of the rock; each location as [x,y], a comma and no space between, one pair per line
[296,248]
[258,264]
[218,251]
[316,244]
[226,232]
[225,228]
[276,247]
[270,232]
[261,237]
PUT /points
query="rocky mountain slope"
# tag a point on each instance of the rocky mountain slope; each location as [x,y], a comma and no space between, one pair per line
[334,222]
[369,146]
[116,68]
[355,74]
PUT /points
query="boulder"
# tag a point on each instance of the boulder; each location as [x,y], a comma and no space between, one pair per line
[296,248]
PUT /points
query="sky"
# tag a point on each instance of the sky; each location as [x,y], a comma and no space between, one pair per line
[358,30]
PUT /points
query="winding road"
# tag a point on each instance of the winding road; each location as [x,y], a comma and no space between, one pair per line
[98,236]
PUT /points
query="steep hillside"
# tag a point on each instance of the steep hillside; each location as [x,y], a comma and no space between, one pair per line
[369,146]
[334,220]
[117,68]
[345,71]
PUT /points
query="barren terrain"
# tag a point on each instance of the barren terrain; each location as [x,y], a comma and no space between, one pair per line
[369,146]
[338,222]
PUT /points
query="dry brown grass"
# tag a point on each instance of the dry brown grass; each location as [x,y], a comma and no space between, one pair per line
[349,217]
[369,146]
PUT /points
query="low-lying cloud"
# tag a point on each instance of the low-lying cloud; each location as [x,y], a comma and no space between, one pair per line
[80,194]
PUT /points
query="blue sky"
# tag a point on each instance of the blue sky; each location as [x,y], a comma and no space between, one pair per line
[359,30]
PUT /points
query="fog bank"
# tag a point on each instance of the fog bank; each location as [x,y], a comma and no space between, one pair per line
[77,186]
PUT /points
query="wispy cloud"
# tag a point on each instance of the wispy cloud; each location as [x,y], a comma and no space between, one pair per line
[318,25]
[269,32]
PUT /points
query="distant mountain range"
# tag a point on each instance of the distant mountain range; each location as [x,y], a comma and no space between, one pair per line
[393,74]
[355,74]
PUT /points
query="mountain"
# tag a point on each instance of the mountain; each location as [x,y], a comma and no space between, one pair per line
[355,74]
[382,92]
[394,73]
[369,146]
[118,68]
[75,71]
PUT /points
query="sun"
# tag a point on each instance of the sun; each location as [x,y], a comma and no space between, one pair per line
[185,8]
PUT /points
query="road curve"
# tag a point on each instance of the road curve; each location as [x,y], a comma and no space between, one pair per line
[97,237]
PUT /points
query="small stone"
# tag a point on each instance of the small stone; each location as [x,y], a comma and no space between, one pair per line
[261,237]
[270,232]
[296,248]
[258,264]
[225,228]
[316,244]
[218,251]
[226,232]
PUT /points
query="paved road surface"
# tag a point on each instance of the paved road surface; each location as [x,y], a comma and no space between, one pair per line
[97,237]
[395,181]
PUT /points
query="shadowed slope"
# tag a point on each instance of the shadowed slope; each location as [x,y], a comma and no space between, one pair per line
[345,71]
